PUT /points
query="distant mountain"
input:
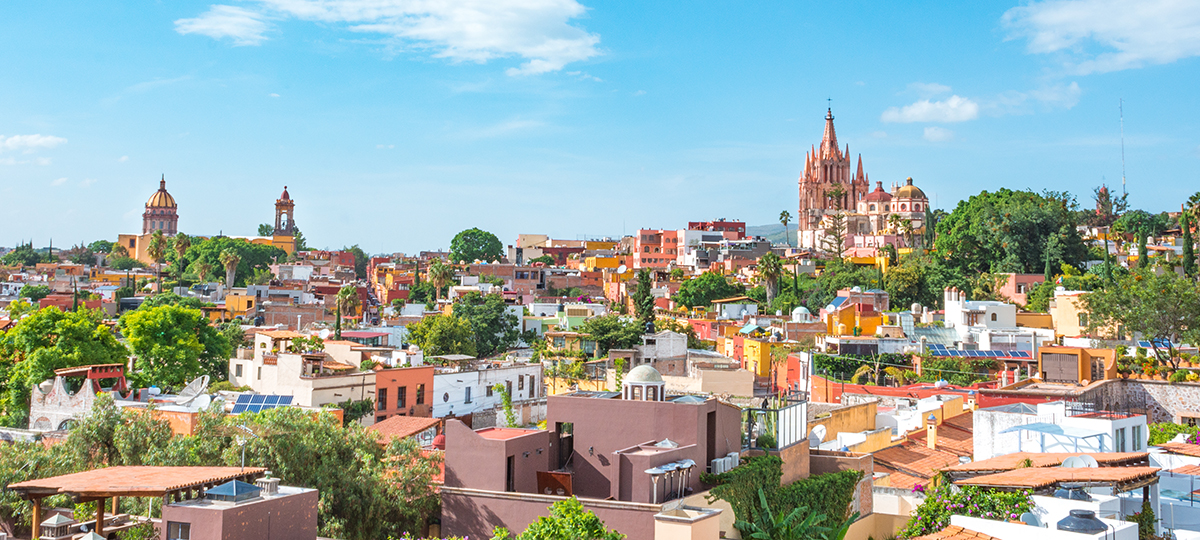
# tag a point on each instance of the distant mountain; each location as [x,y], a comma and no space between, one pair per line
[773,232]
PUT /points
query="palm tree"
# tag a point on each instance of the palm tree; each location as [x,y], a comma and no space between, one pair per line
[181,244]
[439,275]
[346,300]
[157,249]
[230,260]
[202,270]
[770,267]
[784,218]
[768,526]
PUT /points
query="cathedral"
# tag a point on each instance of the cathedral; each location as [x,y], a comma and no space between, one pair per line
[873,218]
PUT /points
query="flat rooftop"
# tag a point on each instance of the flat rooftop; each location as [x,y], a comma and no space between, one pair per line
[503,434]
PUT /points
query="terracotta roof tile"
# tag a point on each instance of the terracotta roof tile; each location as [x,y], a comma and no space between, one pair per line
[915,462]
[1193,470]
[1012,461]
[138,481]
[399,427]
[955,532]
[1041,477]
[1182,448]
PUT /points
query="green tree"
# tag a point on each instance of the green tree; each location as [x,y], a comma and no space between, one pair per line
[208,252]
[568,520]
[474,244]
[173,345]
[172,299]
[643,299]
[203,271]
[612,332]
[355,410]
[439,335]
[230,259]
[80,255]
[345,300]
[1010,231]
[24,255]
[360,260]
[440,275]
[45,340]
[260,276]
[180,245]
[125,263]
[544,259]
[35,292]
[495,329]
[1189,256]
[708,286]
[784,218]
[770,267]
[510,416]
[101,246]
[298,238]
[157,250]
[266,229]
[232,330]
[1162,308]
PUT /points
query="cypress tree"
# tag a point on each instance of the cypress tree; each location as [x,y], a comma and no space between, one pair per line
[1143,258]
[1189,256]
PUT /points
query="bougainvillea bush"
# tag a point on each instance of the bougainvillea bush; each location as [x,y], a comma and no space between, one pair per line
[942,502]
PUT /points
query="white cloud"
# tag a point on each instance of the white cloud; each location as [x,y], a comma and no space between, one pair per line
[42,160]
[87,182]
[503,128]
[242,26]
[952,109]
[58,182]
[537,31]
[928,90]
[1062,96]
[123,159]
[640,93]
[385,146]
[584,76]
[272,95]
[1099,36]
[937,134]
[29,143]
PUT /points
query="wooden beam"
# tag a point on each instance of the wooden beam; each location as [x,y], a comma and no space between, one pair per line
[100,517]
[37,518]
[116,505]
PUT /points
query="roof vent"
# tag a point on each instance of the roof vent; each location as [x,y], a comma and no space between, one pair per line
[268,485]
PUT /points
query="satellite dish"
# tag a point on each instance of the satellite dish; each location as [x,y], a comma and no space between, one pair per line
[817,435]
[202,401]
[1089,462]
[622,269]
[1073,462]
[193,389]
[1031,519]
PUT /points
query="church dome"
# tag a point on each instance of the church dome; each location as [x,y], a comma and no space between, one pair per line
[909,191]
[879,195]
[285,196]
[643,374]
[161,199]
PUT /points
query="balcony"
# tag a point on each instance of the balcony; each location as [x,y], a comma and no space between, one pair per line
[780,424]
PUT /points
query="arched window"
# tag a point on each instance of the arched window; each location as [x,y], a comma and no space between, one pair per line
[885,208]
[993,317]
[917,207]
[903,207]
[872,208]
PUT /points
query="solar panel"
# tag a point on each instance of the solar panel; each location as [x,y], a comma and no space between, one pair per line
[285,400]
[243,399]
[239,408]
[271,400]
[258,399]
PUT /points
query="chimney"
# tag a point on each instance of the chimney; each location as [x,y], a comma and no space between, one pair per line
[931,431]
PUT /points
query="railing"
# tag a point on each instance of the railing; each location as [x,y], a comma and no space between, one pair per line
[270,359]
[782,423]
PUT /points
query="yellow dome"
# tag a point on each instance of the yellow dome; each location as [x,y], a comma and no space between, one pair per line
[909,191]
[161,199]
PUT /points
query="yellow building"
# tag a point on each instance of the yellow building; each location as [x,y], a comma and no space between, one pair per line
[845,321]
[756,356]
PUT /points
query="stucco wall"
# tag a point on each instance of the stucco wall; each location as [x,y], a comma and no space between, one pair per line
[474,514]
[853,418]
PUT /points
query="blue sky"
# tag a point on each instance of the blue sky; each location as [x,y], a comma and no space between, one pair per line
[397,123]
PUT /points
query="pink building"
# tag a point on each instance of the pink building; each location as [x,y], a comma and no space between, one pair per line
[655,248]
[1018,286]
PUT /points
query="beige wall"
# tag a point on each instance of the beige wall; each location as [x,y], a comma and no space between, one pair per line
[736,382]
[852,419]
[876,440]
[725,519]
[683,524]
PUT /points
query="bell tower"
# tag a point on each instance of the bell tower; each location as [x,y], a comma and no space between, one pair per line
[285,222]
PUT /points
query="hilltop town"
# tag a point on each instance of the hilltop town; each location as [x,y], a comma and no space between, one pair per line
[1022,365]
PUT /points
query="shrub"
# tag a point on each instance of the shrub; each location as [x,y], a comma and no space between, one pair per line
[826,495]
[1165,431]
[934,513]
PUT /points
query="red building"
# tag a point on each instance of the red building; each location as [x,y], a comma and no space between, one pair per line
[403,392]
[738,228]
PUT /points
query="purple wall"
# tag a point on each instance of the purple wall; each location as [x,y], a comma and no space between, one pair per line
[479,463]
[290,517]
[476,515]
[608,425]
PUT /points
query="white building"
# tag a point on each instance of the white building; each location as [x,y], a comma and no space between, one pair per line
[1055,427]
[460,392]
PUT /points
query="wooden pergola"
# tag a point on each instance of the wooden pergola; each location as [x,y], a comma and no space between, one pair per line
[172,484]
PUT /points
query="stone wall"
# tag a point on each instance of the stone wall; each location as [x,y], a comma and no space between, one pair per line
[1163,401]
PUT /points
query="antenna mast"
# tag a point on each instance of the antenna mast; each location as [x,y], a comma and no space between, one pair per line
[1121,109]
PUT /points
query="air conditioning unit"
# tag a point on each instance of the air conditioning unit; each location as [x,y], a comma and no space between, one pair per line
[717,466]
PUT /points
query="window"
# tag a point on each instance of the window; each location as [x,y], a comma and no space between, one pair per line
[520,382]
[508,387]
[380,418]
[559,342]
[916,208]
[872,208]
[179,531]
[1137,438]
[532,387]
[445,397]
[1120,441]
[1083,319]
[489,391]
[132,242]
[237,370]
[993,317]
[420,394]
[260,373]
[402,397]
[383,399]
[468,399]
[885,208]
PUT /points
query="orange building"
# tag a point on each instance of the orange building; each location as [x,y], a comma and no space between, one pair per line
[403,392]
